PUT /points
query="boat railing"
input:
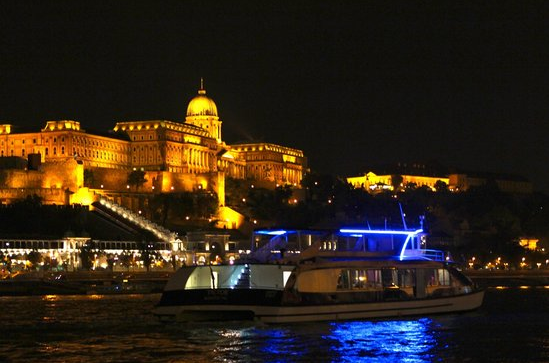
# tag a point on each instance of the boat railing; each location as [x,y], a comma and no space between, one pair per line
[428,254]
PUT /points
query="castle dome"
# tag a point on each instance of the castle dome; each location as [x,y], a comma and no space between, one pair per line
[202,105]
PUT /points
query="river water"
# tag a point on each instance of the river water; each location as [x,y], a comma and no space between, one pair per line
[511,326]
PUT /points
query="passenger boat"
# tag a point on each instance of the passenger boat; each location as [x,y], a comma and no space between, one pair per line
[297,276]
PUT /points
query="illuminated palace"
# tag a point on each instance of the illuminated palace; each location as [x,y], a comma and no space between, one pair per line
[389,178]
[176,156]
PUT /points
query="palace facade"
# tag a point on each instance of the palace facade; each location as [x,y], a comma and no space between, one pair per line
[176,156]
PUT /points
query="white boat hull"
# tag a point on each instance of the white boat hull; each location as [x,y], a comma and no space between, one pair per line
[291,314]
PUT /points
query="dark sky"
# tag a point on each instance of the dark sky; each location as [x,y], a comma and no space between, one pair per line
[352,83]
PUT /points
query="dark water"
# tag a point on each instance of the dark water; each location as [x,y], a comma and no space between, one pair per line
[512,326]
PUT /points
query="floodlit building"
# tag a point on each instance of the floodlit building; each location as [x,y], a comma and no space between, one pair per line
[175,156]
[400,176]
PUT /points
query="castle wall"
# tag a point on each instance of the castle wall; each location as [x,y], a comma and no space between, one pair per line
[110,179]
[162,181]
[66,174]
[48,196]
[62,174]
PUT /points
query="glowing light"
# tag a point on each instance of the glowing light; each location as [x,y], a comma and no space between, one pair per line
[272,233]
[378,231]
[392,341]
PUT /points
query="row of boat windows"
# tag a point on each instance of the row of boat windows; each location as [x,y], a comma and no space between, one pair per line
[387,278]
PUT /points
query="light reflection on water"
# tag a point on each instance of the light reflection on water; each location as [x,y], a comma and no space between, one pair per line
[512,326]
[383,341]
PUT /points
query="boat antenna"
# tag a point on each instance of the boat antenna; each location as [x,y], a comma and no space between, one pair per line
[402,215]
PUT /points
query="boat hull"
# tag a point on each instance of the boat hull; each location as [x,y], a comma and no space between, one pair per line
[291,314]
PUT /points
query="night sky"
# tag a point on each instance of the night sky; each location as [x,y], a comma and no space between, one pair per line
[351,83]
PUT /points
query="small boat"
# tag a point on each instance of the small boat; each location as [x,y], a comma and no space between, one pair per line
[304,275]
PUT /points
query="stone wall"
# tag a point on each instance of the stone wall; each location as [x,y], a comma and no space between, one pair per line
[162,181]
[48,196]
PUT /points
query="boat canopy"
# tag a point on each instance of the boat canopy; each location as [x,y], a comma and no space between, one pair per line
[399,244]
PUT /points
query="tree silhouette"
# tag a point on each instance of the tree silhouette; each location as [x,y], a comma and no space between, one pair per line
[396,181]
[136,179]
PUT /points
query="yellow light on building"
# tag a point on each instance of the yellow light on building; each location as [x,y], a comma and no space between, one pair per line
[529,243]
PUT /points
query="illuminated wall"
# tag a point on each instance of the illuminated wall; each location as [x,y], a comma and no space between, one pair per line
[275,163]
[373,182]
[455,182]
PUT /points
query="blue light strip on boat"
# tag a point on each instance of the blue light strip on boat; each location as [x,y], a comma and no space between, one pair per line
[404,247]
[271,232]
[379,231]
[406,242]
[360,232]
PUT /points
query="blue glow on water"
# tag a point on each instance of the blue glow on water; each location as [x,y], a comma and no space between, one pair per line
[408,341]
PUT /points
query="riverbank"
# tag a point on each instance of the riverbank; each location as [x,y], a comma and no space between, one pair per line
[510,278]
[84,282]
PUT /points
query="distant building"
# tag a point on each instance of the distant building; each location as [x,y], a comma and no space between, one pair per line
[376,183]
[505,182]
[421,175]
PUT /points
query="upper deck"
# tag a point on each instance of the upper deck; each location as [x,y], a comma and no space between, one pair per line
[268,244]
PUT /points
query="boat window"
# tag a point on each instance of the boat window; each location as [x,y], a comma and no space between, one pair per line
[359,279]
[389,277]
[343,280]
[437,277]
[406,278]
[285,276]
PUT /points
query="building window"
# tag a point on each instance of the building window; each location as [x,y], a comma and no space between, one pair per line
[46,152]
[54,151]
[22,152]
[62,150]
